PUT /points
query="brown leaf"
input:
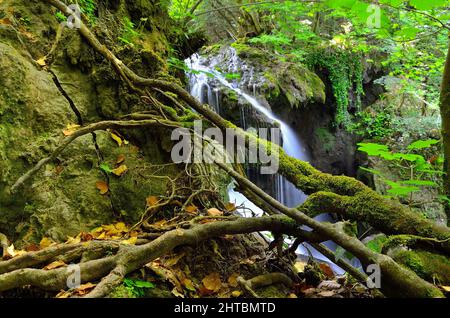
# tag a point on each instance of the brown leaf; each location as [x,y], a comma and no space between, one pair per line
[120,159]
[327,293]
[212,282]
[329,285]
[86,236]
[152,201]
[214,212]
[191,209]
[63,294]
[32,248]
[102,187]
[326,269]
[55,264]
[84,289]
[120,170]
[5,21]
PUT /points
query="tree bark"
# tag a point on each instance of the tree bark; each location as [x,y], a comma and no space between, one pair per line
[445,115]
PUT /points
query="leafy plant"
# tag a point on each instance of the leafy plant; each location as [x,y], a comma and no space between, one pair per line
[137,287]
[129,33]
[418,172]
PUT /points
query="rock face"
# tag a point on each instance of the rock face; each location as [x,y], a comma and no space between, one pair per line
[37,103]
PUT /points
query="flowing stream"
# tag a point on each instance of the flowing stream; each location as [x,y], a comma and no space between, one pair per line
[204,87]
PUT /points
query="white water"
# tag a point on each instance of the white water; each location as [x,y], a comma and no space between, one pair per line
[287,194]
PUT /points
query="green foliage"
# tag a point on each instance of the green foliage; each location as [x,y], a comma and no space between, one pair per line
[88,7]
[60,16]
[106,168]
[415,167]
[129,33]
[345,73]
[137,287]
[372,125]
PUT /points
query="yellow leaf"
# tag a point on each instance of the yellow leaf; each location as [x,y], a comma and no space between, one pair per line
[174,260]
[152,200]
[130,241]
[236,293]
[73,240]
[212,282]
[446,288]
[192,209]
[117,139]
[45,242]
[187,283]
[55,264]
[63,294]
[121,227]
[120,171]
[11,252]
[41,61]
[230,207]
[214,212]
[70,129]
[102,187]
[232,280]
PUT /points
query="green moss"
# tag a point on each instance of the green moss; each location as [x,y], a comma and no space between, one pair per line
[245,51]
[429,266]
[327,139]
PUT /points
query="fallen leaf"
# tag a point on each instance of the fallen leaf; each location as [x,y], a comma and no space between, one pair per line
[236,293]
[292,295]
[326,269]
[11,252]
[192,209]
[327,293]
[70,129]
[84,289]
[232,280]
[32,248]
[102,187]
[63,294]
[174,260]
[120,170]
[188,284]
[329,285]
[121,227]
[214,212]
[86,236]
[230,207]
[446,288]
[212,282]
[117,139]
[5,21]
[74,240]
[55,264]
[41,61]
[45,242]
[120,159]
[152,200]
[176,293]
[130,241]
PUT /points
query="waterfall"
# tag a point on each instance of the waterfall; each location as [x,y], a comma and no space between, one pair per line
[202,83]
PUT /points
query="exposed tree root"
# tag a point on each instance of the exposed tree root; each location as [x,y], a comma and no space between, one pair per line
[17,272]
[338,194]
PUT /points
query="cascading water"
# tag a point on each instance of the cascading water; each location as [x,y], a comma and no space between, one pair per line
[203,87]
